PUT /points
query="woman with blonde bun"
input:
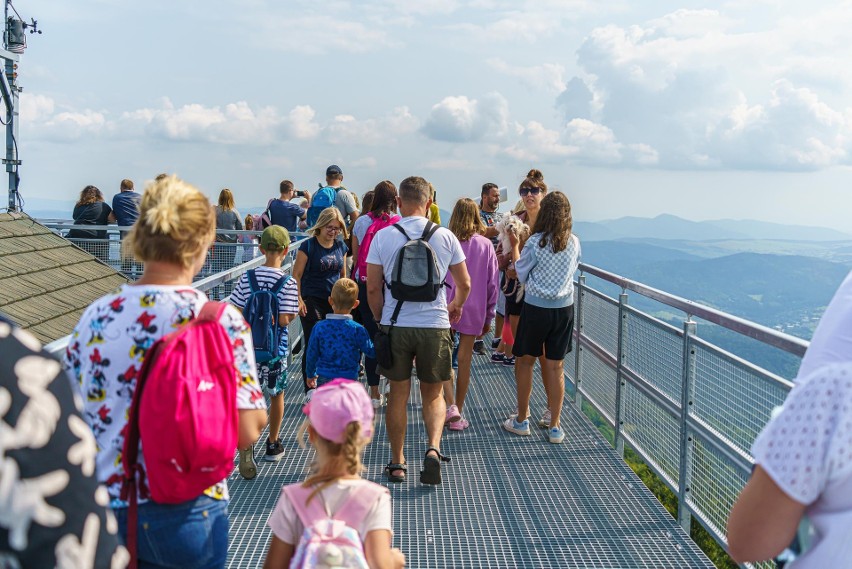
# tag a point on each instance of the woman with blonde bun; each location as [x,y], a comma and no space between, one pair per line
[175,229]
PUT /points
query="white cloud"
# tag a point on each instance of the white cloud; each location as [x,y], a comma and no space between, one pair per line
[346,129]
[316,34]
[547,76]
[368,162]
[700,93]
[460,119]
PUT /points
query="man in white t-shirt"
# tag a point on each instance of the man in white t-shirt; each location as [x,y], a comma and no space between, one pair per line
[421,335]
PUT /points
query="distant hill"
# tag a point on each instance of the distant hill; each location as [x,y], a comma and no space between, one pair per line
[672,227]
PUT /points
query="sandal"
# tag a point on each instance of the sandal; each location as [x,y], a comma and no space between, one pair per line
[431,473]
[393,467]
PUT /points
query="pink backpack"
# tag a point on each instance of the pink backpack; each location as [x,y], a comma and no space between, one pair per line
[184,411]
[331,540]
[263,220]
[380,221]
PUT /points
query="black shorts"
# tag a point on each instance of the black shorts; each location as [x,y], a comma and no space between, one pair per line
[544,331]
[513,308]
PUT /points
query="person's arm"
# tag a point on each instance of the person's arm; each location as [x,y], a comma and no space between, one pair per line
[375,290]
[525,263]
[279,554]
[298,271]
[763,521]
[312,354]
[461,278]
[366,344]
[356,248]
[379,553]
[111,217]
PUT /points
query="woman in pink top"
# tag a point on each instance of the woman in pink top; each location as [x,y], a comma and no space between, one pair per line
[479,308]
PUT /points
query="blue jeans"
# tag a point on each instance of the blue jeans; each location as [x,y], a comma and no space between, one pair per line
[190,535]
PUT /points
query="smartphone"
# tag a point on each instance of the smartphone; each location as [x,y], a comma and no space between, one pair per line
[504,194]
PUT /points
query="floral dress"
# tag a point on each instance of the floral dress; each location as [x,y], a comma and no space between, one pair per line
[105,357]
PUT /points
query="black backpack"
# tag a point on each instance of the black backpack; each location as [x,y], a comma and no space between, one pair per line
[415,275]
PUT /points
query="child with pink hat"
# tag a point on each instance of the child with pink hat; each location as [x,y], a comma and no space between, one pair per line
[339,425]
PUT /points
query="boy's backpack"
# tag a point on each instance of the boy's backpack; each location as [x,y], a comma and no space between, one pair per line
[331,540]
[184,411]
[379,222]
[415,275]
[324,198]
[263,220]
[261,313]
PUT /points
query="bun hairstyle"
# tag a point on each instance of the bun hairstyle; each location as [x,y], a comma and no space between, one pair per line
[534,179]
[535,175]
[176,222]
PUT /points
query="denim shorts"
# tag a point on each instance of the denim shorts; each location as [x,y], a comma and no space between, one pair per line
[190,535]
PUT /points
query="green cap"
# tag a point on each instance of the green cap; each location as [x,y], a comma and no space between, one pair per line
[274,238]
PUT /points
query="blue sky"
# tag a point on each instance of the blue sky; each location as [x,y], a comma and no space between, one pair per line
[706,110]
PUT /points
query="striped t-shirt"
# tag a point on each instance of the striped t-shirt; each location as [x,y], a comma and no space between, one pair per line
[288,297]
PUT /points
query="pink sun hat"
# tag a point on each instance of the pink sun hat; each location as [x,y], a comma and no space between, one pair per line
[335,405]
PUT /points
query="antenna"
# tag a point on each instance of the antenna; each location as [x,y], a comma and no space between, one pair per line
[14,44]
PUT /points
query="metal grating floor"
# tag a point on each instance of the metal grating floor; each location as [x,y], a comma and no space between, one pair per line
[505,502]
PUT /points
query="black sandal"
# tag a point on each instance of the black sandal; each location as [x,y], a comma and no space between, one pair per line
[431,473]
[393,467]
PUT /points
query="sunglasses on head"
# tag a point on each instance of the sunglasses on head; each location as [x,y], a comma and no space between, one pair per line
[534,191]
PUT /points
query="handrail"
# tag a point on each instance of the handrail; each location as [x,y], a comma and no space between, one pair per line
[780,340]
[204,284]
[65,224]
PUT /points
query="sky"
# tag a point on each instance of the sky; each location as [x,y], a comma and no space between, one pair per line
[704,110]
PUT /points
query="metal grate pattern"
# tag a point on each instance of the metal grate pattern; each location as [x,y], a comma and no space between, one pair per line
[715,485]
[654,351]
[506,501]
[733,398]
[598,383]
[600,320]
[653,432]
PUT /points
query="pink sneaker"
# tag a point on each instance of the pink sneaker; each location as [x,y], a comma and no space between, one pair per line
[459,425]
[453,414]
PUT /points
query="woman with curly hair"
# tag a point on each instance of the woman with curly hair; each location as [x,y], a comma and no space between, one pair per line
[546,267]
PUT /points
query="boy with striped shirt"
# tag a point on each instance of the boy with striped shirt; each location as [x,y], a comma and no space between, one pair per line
[274,244]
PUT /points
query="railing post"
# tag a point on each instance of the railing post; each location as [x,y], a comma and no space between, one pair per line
[619,373]
[578,346]
[684,478]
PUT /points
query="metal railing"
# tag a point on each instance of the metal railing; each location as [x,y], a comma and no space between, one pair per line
[231,248]
[690,409]
[218,286]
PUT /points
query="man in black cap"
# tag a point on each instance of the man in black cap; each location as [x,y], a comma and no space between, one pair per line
[343,200]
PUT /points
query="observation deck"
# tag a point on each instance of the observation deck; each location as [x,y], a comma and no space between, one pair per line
[689,408]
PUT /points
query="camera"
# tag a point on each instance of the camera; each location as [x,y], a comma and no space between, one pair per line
[301,194]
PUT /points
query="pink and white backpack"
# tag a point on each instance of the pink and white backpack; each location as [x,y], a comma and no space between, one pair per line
[379,221]
[330,540]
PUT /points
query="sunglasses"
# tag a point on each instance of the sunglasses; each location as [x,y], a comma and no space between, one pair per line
[331,229]
[533,191]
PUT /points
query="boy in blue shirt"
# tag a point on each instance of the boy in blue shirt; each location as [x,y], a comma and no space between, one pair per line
[337,342]
[274,244]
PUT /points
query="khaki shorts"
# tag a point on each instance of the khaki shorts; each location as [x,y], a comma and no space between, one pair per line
[430,349]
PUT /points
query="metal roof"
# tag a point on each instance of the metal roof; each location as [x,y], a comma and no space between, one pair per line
[45,281]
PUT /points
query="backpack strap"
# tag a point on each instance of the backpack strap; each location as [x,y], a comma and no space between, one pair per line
[358,503]
[212,310]
[429,231]
[279,284]
[308,513]
[252,279]
[402,230]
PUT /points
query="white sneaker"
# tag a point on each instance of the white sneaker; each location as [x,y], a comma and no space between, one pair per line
[378,402]
[308,395]
[544,421]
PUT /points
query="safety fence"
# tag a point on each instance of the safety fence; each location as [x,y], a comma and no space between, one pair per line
[689,408]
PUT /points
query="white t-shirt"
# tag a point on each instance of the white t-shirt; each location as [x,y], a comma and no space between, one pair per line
[807,450]
[383,251]
[287,526]
[832,339]
[361,225]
